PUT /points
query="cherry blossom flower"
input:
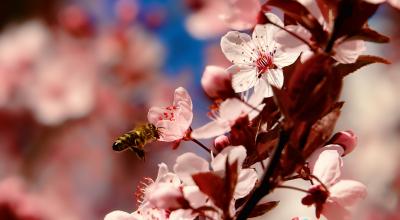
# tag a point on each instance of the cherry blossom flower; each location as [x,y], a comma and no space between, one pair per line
[346,139]
[157,199]
[188,164]
[173,121]
[229,111]
[393,3]
[346,51]
[258,59]
[222,15]
[335,195]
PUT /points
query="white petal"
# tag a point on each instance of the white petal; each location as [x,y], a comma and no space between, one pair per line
[260,90]
[326,163]
[212,129]
[188,164]
[162,171]
[282,59]
[233,153]
[348,192]
[182,214]
[234,45]
[244,80]
[246,181]
[348,51]
[120,215]
[184,103]
[275,77]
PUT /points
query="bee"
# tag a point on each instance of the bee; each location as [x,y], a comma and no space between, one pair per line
[136,139]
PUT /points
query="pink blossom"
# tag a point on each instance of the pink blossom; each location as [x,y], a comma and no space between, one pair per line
[221,142]
[173,121]
[158,199]
[213,18]
[188,164]
[393,3]
[258,59]
[229,111]
[216,82]
[335,195]
[345,51]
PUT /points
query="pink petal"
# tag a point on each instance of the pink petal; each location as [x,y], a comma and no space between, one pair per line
[246,182]
[348,51]
[289,43]
[120,215]
[334,211]
[211,129]
[348,192]
[244,80]
[170,130]
[162,171]
[275,77]
[154,114]
[375,1]
[242,14]
[394,3]
[231,109]
[195,197]
[188,164]
[198,24]
[234,44]
[233,153]
[326,163]
[164,196]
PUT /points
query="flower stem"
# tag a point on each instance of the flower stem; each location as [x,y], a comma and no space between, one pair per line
[267,183]
[201,145]
[248,105]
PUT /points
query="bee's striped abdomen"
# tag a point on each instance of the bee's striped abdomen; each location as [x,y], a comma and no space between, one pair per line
[125,141]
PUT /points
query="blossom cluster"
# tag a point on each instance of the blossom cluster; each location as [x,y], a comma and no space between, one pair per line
[277,104]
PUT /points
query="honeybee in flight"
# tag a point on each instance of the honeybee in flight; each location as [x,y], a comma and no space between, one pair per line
[136,139]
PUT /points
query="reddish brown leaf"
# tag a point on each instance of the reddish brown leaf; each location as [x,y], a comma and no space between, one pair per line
[299,13]
[368,34]
[345,69]
[263,208]
[351,18]
[212,185]
[322,130]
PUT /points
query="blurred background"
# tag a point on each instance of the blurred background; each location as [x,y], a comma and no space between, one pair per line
[74,75]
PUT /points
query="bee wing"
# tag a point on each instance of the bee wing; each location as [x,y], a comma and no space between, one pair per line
[139,152]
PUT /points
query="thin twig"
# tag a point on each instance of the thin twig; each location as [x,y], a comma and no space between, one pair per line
[266,183]
[201,145]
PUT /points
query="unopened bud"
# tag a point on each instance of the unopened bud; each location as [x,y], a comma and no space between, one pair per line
[221,142]
[346,139]
[217,82]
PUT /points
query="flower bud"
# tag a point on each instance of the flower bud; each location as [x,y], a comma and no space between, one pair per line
[221,142]
[216,82]
[346,139]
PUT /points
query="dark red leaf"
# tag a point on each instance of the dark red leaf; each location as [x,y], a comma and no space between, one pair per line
[299,13]
[322,130]
[263,208]
[368,34]
[345,69]
[352,17]
[212,185]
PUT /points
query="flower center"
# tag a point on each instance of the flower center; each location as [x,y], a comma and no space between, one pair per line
[169,113]
[263,63]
